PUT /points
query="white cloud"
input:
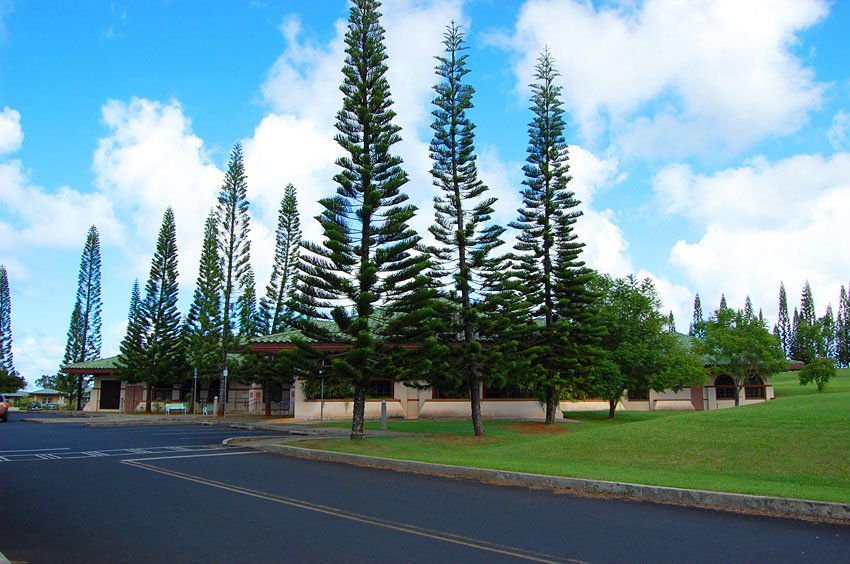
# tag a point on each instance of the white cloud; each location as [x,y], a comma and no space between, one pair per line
[671,78]
[763,223]
[11,134]
[149,160]
[36,355]
[674,297]
[285,149]
[37,218]
[839,132]
[304,80]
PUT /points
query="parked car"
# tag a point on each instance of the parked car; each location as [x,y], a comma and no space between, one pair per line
[4,409]
[34,406]
[51,405]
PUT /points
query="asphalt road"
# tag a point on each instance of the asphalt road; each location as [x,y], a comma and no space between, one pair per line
[69,493]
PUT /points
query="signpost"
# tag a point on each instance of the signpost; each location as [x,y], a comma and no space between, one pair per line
[194,391]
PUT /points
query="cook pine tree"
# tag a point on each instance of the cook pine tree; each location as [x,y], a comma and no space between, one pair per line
[462,209]
[548,250]
[275,306]
[783,322]
[696,322]
[153,350]
[235,255]
[203,325]
[7,361]
[84,331]
[368,274]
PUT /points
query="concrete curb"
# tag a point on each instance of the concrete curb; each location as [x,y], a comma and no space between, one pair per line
[786,507]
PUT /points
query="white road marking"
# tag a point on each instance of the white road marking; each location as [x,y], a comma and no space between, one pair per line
[32,450]
[136,460]
[42,457]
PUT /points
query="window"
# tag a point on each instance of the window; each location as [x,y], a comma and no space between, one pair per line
[754,388]
[162,394]
[380,389]
[724,387]
[460,391]
[640,394]
[508,392]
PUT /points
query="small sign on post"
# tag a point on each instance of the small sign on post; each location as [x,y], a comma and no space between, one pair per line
[383,415]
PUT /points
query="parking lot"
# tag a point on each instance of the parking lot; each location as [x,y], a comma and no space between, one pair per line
[165,493]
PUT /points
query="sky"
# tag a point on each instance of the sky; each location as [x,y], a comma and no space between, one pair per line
[709,140]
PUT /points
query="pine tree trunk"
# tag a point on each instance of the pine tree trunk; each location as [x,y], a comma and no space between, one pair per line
[148,398]
[267,398]
[475,402]
[552,404]
[359,410]
[80,392]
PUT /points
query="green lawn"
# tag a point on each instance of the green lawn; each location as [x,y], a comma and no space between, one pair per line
[796,446]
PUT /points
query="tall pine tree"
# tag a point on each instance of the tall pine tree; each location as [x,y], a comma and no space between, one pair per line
[203,326]
[843,329]
[783,322]
[696,327]
[235,254]
[7,361]
[84,336]
[275,306]
[463,258]
[153,350]
[370,256]
[547,247]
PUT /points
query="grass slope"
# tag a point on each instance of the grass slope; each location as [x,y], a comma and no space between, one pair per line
[797,446]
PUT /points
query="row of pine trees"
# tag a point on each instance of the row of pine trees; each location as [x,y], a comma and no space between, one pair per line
[533,317]
[803,335]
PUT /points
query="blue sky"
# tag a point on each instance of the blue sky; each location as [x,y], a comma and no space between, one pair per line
[709,139]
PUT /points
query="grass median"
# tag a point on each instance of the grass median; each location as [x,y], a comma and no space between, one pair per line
[797,446]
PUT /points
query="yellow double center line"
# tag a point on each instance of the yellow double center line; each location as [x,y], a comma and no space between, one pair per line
[356,517]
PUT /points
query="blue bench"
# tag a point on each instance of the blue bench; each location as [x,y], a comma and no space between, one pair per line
[169,407]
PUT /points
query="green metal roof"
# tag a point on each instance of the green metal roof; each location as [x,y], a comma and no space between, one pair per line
[110,363]
[48,392]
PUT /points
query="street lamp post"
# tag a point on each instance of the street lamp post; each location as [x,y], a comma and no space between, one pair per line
[322,405]
[224,399]
[194,390]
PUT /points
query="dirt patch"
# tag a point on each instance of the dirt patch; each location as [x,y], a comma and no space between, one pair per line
[536,428]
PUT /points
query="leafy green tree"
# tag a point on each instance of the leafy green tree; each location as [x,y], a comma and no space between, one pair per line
[7,361]
[275,310]
[235,255]
[84,336]
[11,381]
[203,325]
[819,371]
[783,323]
[462,208]
[640,354]
[370,257]
[153,349]
[742,346]
[554,278]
